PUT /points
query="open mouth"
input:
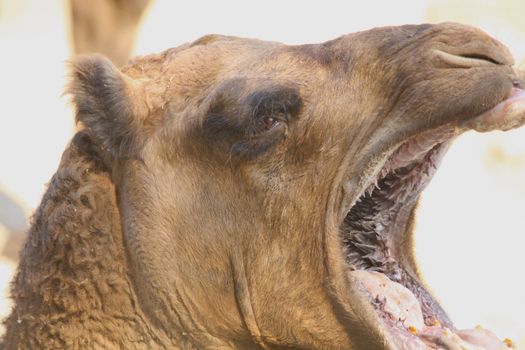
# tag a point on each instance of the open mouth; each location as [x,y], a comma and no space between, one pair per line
[374,238]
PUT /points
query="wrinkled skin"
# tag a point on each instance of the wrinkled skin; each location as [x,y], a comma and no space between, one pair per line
[218,168]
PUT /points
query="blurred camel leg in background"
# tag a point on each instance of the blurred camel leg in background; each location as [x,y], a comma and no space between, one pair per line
[13,218]
[108,27]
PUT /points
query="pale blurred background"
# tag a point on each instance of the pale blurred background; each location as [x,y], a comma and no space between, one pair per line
[471,223]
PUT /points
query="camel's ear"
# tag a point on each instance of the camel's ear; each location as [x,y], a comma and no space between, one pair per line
[107,102]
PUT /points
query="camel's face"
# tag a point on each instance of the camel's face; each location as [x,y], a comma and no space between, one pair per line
[247,173]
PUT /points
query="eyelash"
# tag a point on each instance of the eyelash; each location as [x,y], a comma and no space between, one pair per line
[269,122]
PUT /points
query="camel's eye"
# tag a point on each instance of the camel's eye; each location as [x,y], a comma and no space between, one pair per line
[272,108]
[254,123]
[269,122]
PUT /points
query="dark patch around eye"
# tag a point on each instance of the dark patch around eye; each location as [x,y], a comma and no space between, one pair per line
[251,124]
[253,147]
[278,99]
[218,125]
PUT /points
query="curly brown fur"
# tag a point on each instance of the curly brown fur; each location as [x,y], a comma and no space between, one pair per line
[72,290]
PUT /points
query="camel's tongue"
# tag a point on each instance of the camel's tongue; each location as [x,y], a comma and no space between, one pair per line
[507,115]
[394,298]
[399,304]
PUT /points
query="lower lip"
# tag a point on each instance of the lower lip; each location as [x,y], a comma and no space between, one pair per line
[508,114]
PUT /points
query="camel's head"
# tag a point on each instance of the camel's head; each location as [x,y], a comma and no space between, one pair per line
[267,192]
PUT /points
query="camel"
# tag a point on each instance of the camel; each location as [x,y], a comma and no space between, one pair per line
[108,27]
[233,193]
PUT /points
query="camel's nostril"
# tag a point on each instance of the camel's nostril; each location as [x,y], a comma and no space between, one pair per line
[477,56]
[468,60]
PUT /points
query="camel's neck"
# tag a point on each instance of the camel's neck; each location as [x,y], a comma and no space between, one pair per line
[72,288]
